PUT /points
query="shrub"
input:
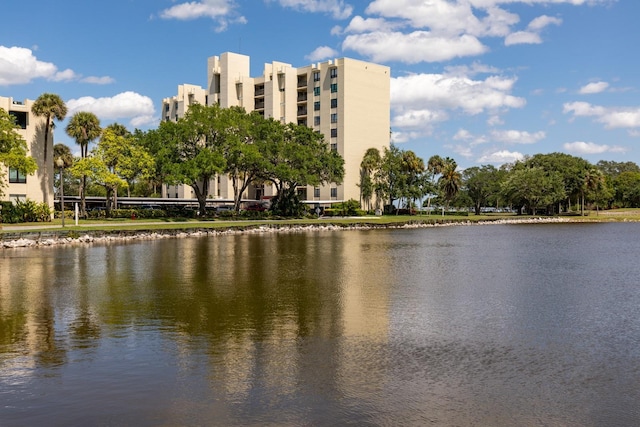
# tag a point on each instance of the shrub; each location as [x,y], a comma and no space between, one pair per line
[349,208]
[27,211]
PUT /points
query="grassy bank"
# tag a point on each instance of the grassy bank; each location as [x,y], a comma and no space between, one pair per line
[127,225]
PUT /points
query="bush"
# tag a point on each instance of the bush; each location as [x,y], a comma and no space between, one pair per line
[349,208]
[27,211]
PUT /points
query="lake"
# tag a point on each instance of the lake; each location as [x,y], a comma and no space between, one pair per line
[491,325]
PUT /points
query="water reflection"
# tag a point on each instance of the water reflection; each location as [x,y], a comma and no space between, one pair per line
[471,325]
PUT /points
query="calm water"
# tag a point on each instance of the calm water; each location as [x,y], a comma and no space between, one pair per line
[501,325]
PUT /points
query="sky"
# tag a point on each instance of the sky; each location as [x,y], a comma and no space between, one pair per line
[481,81]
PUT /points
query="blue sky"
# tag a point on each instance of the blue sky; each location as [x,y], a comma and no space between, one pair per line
[482,81]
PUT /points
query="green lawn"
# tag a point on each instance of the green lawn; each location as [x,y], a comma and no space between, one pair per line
[186,224]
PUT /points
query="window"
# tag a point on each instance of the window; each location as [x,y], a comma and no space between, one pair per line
[334,133]
[316,106]
[316,76]
[316,121]
[333,73]
[334,147]
[334,193]
[17,177]
[334,103]
[334,118]
[334,87]
[316,91]
[316,192]
[20,118]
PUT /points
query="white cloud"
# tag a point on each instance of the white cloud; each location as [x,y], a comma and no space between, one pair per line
[595,87]
[127,105]
[105,80]
[517,136]
[418,46]
[470,70]
[418,118]
[18,65]
[463,150]
[221,11]
[337,8]
[199,9]
[540,22]
[446,18]
[401,137]
[580,147]
[501,157]
[611,117]
[465,135]
[457,25]
[362,25]
[442,92]
[322,52]
[522,37]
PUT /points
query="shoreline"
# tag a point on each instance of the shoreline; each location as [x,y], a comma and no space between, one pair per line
[57,237]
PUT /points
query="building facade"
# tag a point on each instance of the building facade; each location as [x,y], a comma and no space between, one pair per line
[347,100]
[39,186]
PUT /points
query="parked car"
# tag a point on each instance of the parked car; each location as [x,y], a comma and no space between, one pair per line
[224,208]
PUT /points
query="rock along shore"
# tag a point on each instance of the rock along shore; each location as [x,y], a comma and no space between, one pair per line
[69,237]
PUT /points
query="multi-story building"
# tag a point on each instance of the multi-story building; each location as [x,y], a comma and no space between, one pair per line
[39,186]
[347,100]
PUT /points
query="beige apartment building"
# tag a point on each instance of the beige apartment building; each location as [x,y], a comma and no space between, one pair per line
[39,186]
[347,100]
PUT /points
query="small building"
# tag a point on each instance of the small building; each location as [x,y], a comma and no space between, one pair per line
[39,186]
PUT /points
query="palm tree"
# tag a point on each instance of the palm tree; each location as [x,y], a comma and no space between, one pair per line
[62,159]
[413,169]
[434,167]
[84,127]
[450,180]
[49,106]
[370,162]
[593,182]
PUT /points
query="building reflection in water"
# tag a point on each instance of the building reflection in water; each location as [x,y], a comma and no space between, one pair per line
[270,312]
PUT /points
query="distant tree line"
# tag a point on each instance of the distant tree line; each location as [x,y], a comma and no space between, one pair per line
[543,183]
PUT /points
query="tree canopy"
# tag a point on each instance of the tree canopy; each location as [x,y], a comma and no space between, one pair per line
[13,148]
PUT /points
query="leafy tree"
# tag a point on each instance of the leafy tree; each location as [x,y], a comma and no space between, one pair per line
[51,107]
[368,166]
[13,148]
[245,135]
[123,157]
[480,184]
[613,169]
[627,187]
[571,170]
[84,127]
[298,156]
[189,151]
[533,187]
[389,177]
[95,169]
